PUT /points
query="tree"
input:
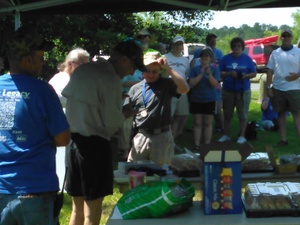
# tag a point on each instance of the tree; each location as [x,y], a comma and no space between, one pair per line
[103,31]
[296,26]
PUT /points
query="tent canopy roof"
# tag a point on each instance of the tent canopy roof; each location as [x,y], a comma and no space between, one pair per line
[117,6]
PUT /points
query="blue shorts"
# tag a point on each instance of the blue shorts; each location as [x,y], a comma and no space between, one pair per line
[28,209]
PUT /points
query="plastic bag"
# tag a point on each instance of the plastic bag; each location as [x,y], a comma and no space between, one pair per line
[156,199]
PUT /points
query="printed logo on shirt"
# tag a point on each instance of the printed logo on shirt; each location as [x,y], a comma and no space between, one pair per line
[234,65]
[15,94]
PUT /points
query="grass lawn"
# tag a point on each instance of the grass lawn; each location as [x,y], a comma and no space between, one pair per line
[263,137]
[186,140]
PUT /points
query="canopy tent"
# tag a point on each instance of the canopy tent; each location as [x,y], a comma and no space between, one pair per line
[114,6]
[46,7]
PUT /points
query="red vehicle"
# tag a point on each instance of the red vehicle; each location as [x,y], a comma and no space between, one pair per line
[260,49]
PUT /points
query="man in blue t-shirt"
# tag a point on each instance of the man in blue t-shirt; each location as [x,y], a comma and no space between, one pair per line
[32,125]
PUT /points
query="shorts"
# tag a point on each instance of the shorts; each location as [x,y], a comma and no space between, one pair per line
[286,101]
[180,106]
[207,108]
[157,147]
[238,100]
[27,210]
[89,167]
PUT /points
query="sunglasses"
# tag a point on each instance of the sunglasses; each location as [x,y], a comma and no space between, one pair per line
[178,43]
[152,71]
[143,36]
[236,46]
[286,35]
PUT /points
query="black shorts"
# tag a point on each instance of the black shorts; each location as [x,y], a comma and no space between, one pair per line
[207,108]
[89,167]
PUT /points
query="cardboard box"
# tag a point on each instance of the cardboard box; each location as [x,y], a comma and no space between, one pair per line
[222,177]
[287,168]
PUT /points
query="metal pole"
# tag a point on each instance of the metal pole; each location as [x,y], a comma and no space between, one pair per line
[17,19]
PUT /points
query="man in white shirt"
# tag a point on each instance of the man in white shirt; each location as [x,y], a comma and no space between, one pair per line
[74,58]
[93,110]
[180,106]
[284,72]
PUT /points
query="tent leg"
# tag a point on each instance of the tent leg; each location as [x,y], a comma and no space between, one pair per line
[17,20]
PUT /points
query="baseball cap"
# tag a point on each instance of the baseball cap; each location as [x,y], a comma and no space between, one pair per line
[210,35]
[133,51]
[206,51]
[287,31]
[178,38]
[24,41]
[151,57]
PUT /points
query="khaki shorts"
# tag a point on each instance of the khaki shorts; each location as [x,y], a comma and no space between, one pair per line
[238,100]
[180,106]
[286,101]
[158,148]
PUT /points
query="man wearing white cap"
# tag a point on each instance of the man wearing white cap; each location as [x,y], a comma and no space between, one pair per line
[180,106]
[283,83]
[153,95]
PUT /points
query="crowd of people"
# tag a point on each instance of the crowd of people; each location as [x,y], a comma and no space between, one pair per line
[85,106]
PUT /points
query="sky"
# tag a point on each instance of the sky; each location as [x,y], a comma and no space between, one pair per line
[236,18]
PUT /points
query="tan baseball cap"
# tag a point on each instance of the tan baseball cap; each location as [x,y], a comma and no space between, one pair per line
[151,57]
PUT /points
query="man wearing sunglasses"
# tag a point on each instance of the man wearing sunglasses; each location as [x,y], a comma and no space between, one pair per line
[152,97]
[283,83]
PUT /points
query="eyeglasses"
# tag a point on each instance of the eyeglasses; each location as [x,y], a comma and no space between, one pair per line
[236,46]
[286,35]
[204,55]
[178,43]
[152,71]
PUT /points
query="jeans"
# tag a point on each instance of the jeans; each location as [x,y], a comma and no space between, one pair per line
[28,209]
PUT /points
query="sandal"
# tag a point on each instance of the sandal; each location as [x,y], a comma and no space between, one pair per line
[196,148]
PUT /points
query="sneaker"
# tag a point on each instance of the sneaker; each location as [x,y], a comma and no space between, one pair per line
[282,143]
[224,138]
[241,140]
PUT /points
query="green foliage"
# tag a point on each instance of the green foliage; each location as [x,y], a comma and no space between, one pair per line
[296,27]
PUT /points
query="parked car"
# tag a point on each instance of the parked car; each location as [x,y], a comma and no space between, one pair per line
[260,50]
[190,48]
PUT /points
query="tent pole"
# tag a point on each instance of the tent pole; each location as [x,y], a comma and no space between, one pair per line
[17,19]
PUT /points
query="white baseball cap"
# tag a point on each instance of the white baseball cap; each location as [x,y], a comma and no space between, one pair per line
[178,38]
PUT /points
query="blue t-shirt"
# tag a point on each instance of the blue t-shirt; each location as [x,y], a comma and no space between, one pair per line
[243,64]
[203,91]
[269,114]
[137,76]
[31,115]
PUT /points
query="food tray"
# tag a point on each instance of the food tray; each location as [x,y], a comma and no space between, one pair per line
[272,199]
[257,162]
[259,213]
